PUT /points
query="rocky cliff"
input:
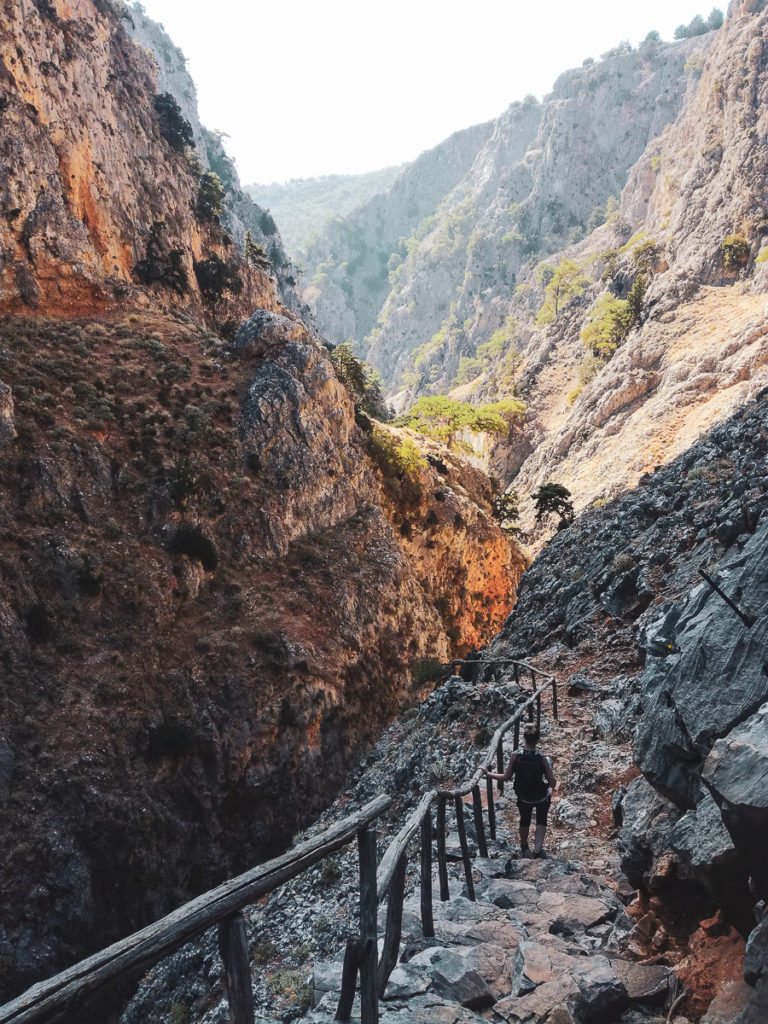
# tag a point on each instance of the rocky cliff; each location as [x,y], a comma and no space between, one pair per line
[210,594]
[100,190]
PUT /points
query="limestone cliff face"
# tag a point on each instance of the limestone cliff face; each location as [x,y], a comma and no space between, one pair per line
[207,599]
[348,265]
[89,182]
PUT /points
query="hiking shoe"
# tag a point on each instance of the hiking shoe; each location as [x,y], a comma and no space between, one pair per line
[541,855]
[525,851]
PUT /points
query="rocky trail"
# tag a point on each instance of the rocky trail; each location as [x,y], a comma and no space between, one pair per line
[550,939]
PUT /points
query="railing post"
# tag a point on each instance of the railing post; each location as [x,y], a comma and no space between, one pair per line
[491,808]
[517,734]
[538,712]
[458,803]
[554,699]
[516,671]
[533,679]
[369,1003]
[500,764]
[233,946]
[477,810]
[349,978]
[394,927]
[427,921]
[442,861]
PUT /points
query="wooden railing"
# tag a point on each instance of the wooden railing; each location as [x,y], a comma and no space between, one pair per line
[391,874]
[63,994]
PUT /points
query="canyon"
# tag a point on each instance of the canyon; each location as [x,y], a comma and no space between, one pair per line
[223,577]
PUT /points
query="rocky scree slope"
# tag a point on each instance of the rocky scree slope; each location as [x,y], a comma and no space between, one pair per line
[96,199]
[347,266]
[208,596]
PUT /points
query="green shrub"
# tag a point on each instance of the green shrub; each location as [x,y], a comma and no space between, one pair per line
[267,223]
[210,197]
[162,264]
[214,277]
[562,284]
[174,127]
[554,498]
[255,255]
[608,325]
[442,418]
[506,511]
[644,255]
[361,380]
[734,250]
[400,464]
[469,368]
[636,298]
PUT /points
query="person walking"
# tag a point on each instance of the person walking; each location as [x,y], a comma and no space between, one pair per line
[533,785]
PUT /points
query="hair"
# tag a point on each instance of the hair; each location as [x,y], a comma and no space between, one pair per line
[531,734]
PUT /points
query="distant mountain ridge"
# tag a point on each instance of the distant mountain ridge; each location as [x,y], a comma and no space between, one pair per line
[301,206]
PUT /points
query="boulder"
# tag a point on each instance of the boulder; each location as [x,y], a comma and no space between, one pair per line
[648,823]
[736,772]
[691,698]
[601,994]
[756,954]
[454,977]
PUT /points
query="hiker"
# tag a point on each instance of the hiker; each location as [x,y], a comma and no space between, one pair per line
[534,782]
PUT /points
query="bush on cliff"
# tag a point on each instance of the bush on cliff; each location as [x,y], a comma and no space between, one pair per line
[554,498]
[562,283]
[210,197]
[174,127]
[608,325]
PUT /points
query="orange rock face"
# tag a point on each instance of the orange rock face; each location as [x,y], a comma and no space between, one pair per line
[86,171]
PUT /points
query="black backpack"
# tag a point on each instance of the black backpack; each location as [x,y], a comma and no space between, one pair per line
[530,783]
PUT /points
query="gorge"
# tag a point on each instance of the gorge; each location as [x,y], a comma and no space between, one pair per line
[223,572]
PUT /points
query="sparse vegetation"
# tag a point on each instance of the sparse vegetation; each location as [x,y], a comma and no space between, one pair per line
[442,418]
[214,277]
[734,250]
[162,264]
[552,498]
[697,26]
[506,512]
[400,464]
[255,255]
[361,380]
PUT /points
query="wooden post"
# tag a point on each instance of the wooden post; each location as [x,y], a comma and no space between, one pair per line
[533,679]
[458,803]
[477,810]
[554,699]
[427,921]
[491,808]
[442,861]
[233,946]
[369,1003]
[500,764]
[538,712]
[394,927]
[516,670]
[517,734]
[349,978]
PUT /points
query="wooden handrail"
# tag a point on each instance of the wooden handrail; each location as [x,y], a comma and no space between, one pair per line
[222,906]
[144,948]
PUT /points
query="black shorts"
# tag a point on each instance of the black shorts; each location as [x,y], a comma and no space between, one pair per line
[526,810]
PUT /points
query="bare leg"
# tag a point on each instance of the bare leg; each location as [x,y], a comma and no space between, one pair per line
[538,841]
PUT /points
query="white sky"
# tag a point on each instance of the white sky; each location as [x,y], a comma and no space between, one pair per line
[306,87]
